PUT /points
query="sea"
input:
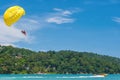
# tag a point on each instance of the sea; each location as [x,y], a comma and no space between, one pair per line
[58,77]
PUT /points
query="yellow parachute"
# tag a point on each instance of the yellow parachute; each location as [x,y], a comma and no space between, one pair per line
[13,14]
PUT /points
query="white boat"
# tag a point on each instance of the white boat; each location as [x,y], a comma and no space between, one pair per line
[100,75]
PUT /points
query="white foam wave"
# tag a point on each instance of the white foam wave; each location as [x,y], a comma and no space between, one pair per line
[33,77]
[38,77]
[30,77]
[97,76]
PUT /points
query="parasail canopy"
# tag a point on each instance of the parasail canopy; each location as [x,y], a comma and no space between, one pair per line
[13,14]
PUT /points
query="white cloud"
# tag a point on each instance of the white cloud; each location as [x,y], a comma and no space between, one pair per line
[66,13]
[57,9]
[6,44]
[63,12]
[12,35]
[116,19]
[60,20]
[29,24]
[61,16]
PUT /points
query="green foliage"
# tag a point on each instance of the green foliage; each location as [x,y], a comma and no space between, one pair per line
[24,61]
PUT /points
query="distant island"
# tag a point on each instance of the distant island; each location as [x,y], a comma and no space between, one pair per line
[23,61]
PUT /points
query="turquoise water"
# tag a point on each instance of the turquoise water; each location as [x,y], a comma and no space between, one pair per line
[57,77]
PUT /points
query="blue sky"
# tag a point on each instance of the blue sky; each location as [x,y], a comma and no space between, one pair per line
[80,25]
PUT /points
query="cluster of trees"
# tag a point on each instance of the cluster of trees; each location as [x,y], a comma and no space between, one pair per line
[24,61]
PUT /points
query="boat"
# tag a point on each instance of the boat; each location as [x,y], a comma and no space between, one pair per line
[100,75]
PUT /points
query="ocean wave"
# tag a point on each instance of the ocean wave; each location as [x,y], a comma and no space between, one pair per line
[38,77]
[11,78]
[7,78]
[96,76]
[33,77]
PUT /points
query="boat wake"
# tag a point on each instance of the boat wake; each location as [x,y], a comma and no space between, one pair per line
[96,76]
[38,77]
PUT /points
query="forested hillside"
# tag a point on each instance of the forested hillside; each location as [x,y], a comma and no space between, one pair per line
[20,61]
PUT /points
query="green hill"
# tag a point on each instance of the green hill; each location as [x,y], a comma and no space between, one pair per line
[19,61]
